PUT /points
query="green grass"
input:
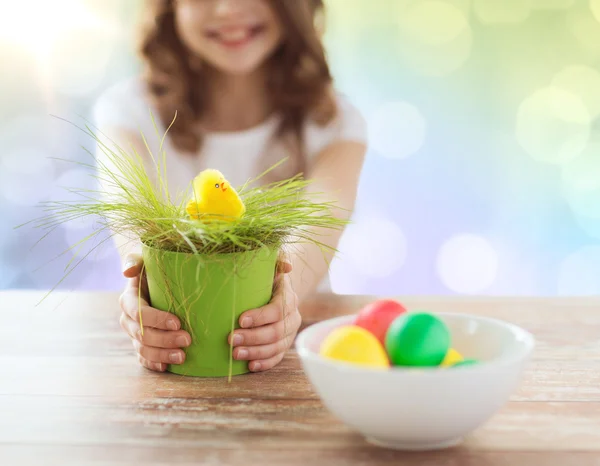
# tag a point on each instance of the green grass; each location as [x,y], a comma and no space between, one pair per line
[130,202]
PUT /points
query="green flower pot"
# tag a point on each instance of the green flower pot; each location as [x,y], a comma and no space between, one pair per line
[208,294]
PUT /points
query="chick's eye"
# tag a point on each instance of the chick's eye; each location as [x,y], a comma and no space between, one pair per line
[217,185]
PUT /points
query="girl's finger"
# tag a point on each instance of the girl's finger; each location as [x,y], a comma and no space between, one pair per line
[283,303]
[159,355]
[267,334]
[154,337]
[132,265]
[265,364]
[279,285]
[267,314]
[250,353]
[153,366]
[151,317]
[264,335]
[283,266]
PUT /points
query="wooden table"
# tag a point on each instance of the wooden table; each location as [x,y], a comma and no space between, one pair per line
[72,392]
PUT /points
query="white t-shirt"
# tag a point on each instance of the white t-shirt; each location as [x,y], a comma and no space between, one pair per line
[235,154]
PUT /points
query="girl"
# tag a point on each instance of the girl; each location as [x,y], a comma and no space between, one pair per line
[247,84]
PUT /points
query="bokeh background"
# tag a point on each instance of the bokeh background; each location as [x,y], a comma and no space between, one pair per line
[483,171]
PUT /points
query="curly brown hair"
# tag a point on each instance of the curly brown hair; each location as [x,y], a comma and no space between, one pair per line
[300,79]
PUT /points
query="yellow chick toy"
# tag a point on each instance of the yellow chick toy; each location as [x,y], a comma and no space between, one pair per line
[214,198]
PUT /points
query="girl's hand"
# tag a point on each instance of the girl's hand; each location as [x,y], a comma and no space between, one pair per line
[160,345]
[269,331]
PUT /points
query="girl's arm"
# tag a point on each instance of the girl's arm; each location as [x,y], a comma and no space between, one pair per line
[335,173]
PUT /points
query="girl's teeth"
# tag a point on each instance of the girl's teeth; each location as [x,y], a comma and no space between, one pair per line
[240,34]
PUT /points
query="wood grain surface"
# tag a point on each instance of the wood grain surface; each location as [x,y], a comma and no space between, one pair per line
[72,393]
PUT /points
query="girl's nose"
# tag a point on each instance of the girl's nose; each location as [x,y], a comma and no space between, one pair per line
[228,8]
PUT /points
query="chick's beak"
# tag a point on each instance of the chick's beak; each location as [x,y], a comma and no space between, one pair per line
[223,187]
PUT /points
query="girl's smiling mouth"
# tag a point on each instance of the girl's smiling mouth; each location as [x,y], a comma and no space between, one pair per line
[235,36]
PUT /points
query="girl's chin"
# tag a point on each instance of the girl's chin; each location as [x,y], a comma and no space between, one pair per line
[239,67]
[238,61]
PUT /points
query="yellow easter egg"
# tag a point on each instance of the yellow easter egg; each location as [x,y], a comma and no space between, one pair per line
[452,357]
[354,345]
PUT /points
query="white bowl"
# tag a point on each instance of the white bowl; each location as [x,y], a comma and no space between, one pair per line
[422,408]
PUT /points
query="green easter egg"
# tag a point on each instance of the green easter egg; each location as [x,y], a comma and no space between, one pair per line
[466,362]
[417,339]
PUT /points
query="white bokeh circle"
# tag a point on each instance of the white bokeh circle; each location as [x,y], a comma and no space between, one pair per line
[434,37]
[373,247]
[397,129]
[343,279]
[467,264]
[506,11]
[553,125]
[579,273]
[582,81]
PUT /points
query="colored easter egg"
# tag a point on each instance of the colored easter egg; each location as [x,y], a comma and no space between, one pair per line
[354,345]
[417,339]
[452,357]
[466,362]
[377,316]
